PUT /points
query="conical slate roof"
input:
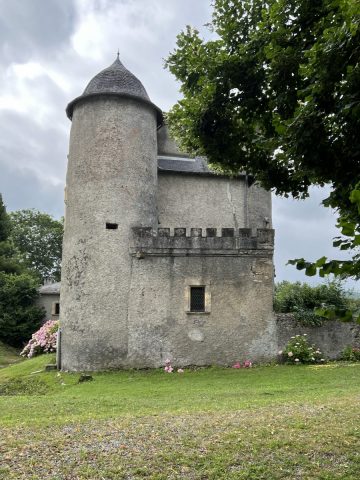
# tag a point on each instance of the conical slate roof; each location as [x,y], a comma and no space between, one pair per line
[115,80]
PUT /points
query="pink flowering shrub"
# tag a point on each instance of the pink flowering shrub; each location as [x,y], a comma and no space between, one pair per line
[42,341]
[169,369]
[246,364]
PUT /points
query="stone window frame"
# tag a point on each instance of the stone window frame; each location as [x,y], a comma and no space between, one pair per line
[196,282]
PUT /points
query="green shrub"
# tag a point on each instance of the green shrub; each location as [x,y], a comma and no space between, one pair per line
[307,318]
[351,354]
[19,317]
[302,299]
[299,351]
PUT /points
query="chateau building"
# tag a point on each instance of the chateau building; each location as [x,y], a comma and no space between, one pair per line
[162,258]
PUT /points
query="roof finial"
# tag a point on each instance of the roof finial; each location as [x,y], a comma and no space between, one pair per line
[118,54]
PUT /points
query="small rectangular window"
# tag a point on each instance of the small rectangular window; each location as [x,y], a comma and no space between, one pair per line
[197,299]
[111,226]
[55,308]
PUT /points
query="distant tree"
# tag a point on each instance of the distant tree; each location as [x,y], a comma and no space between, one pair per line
[19,316]
[4,222]
[38,238]
[277,94]
[9,261]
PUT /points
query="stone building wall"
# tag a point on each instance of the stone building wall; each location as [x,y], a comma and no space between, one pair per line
[48,302]
[331,337]
[211,201]
[237,272]
[125,282]
[111,182]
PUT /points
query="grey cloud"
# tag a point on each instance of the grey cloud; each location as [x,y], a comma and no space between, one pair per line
[23,189]
[32,28]
[38,151]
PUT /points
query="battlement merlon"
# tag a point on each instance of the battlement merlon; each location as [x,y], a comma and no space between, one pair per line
[163,242]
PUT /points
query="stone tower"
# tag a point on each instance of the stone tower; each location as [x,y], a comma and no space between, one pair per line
[162,257]
[110,187]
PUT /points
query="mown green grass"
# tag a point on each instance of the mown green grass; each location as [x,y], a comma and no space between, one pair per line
[8,355]
[269,422]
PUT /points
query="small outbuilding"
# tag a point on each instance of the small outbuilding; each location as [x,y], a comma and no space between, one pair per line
[49,299]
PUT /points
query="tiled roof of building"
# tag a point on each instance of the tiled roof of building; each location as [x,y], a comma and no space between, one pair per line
[186,165]
[50,289]
[115,80]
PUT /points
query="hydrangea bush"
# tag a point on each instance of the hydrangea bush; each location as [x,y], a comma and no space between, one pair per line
[42,341]
[169,369]
[246,364]
[298,351]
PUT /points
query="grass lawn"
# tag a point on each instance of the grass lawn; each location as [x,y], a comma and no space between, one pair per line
[8,355]
[269,422]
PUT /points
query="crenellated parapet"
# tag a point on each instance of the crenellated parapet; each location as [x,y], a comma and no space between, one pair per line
[197,241]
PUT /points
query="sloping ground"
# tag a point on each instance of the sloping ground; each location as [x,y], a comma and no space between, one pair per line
[8,355]
[278,422]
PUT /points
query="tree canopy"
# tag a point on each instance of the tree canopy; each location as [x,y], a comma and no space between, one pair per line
[9,261]
[19,316]
[276,94]
[38,238]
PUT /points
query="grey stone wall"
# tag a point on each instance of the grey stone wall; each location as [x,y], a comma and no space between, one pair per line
[206,201]
[331,337]
[195,241]
[111,178]
[47,302]
[160,326]
[166,145]
[259,207]
[238,274]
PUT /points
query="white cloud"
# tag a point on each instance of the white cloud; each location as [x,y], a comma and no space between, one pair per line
[107,25]
[29,89]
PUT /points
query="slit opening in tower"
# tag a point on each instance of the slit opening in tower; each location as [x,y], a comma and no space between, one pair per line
[111,226]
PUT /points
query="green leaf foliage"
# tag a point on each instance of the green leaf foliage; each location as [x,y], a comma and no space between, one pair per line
[19,317]
[38,238]
[299,351]
[311,305]
[9,259]
[4,222]
[351,354]
[276,94]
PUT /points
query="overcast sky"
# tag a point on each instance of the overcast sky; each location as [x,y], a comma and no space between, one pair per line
[50,49]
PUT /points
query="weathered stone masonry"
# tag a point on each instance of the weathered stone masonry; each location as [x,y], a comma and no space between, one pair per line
[134,259]
[147,241]
[238,274]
